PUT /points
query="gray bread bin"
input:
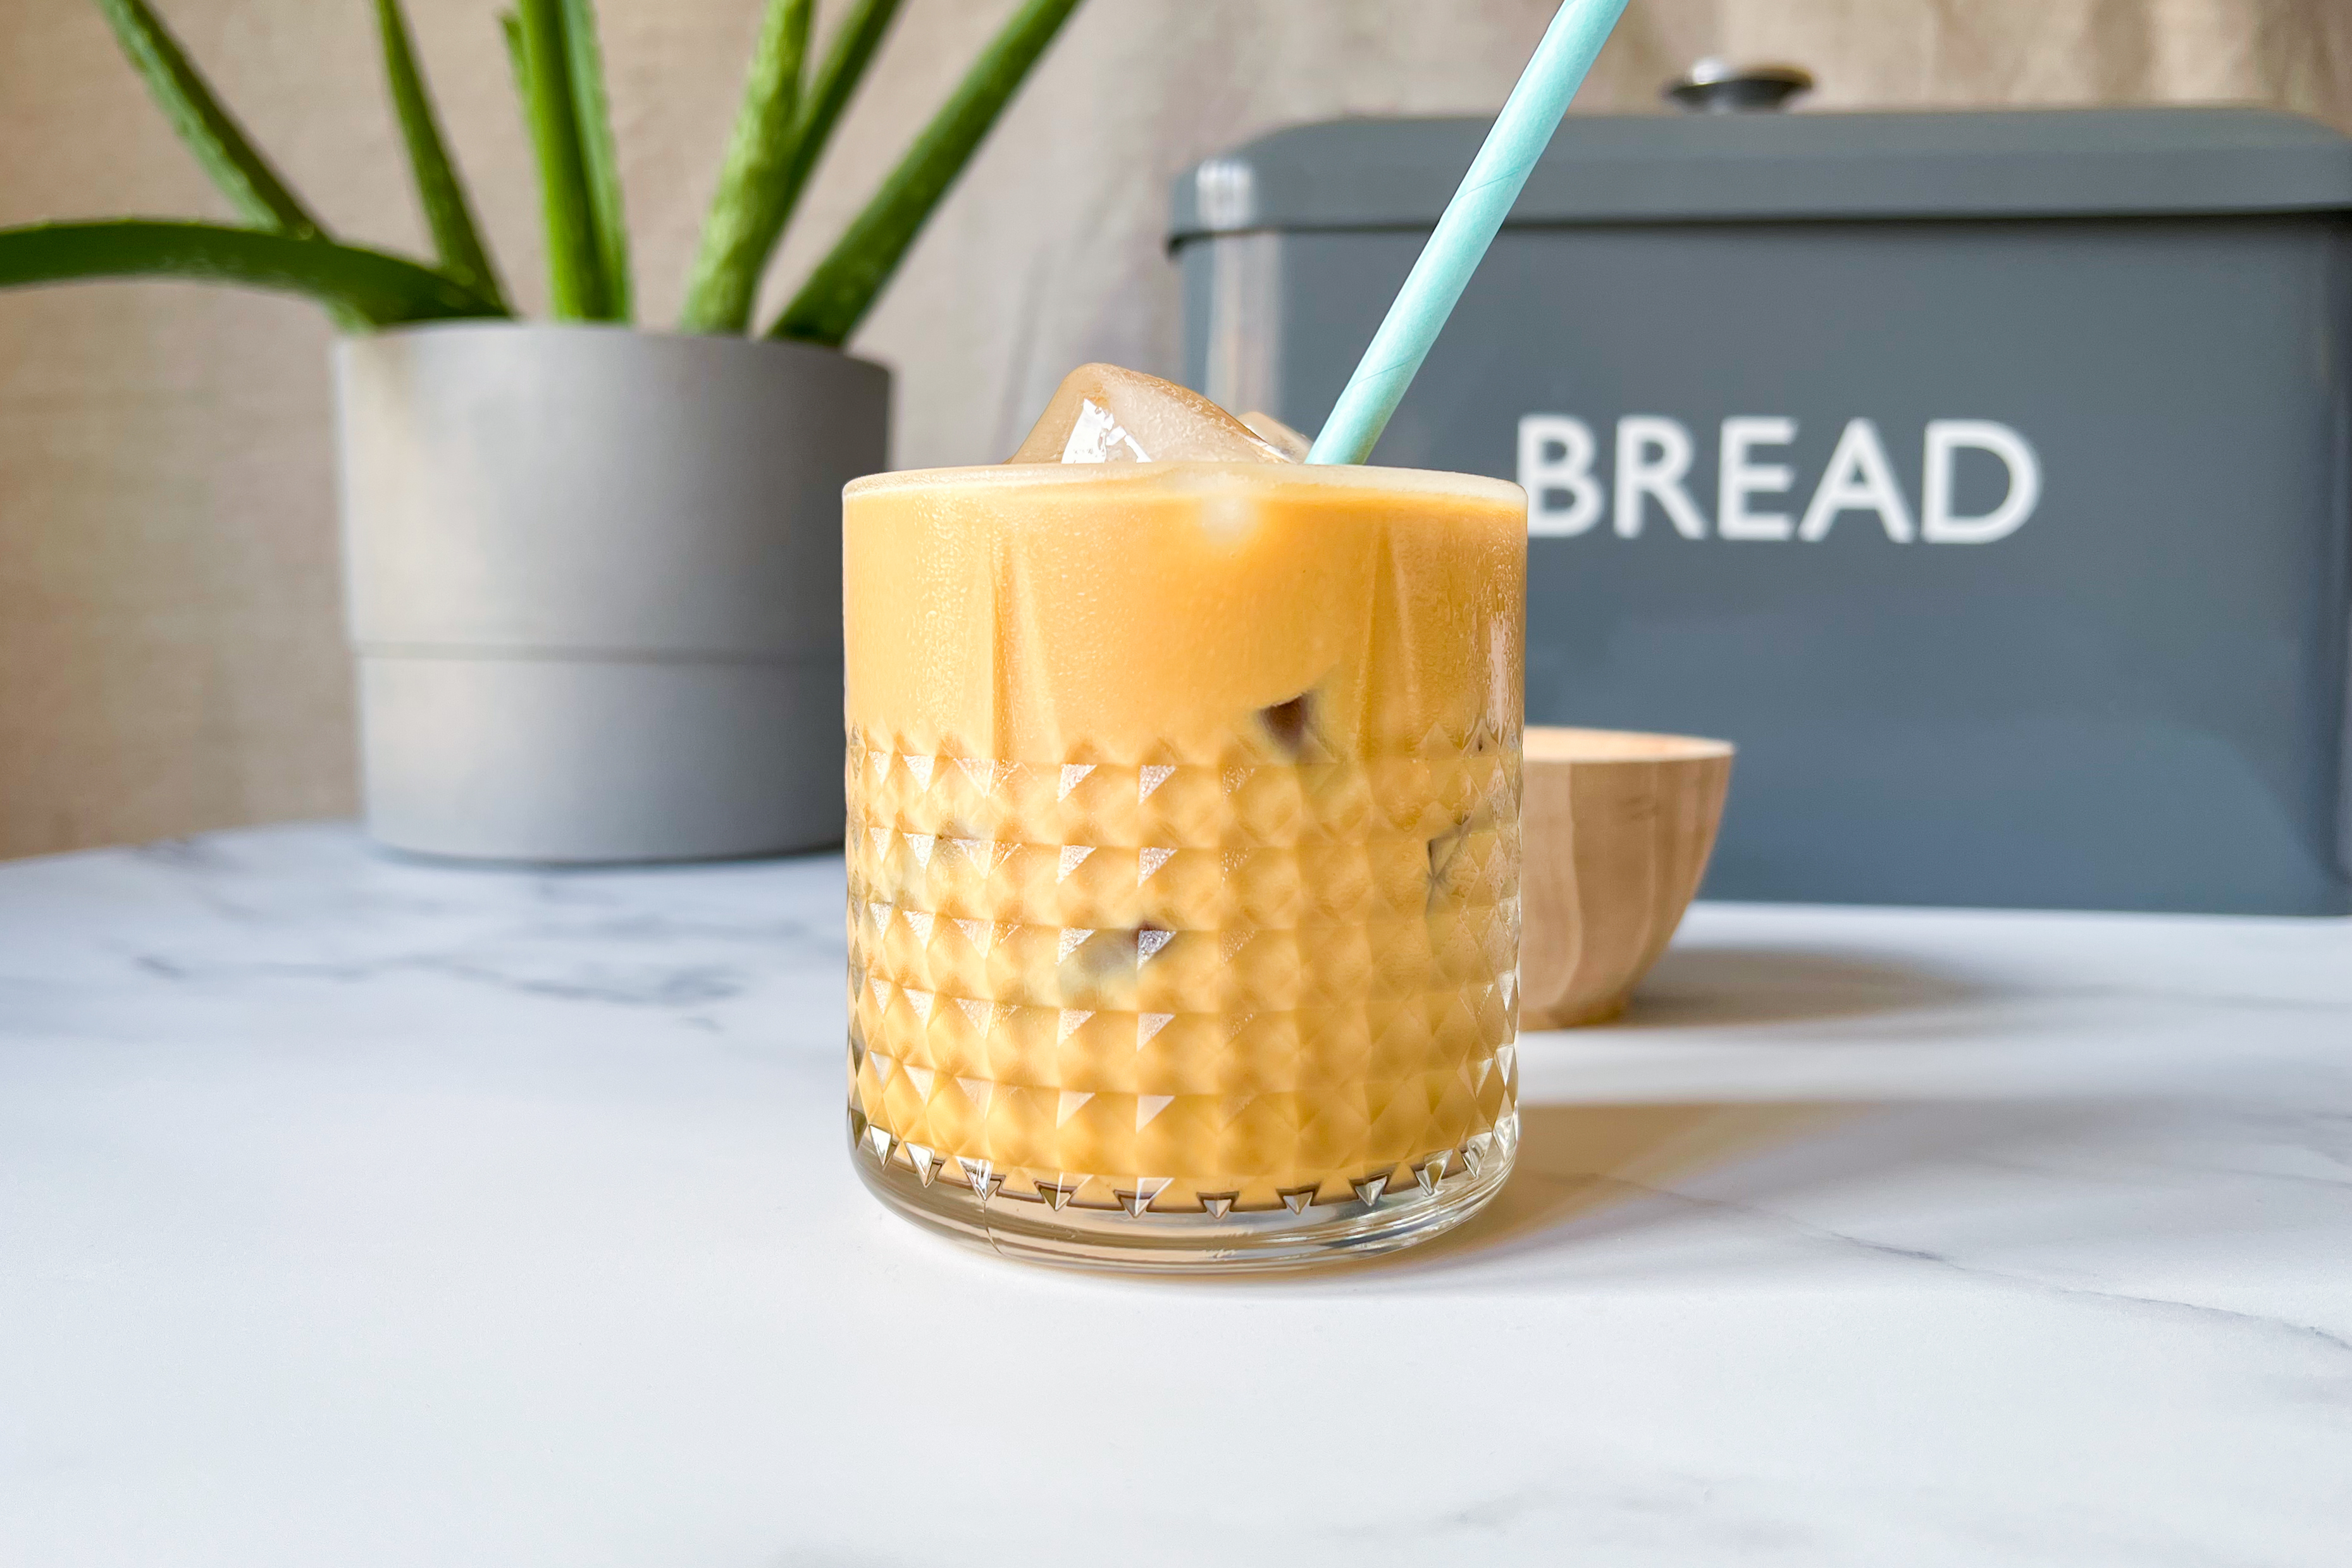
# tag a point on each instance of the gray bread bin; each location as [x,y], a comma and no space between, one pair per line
[1984,476]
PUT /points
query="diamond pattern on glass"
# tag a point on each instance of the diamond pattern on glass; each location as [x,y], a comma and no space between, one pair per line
[1223,987]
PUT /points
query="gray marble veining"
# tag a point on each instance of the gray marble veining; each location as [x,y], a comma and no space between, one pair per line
[365,1211]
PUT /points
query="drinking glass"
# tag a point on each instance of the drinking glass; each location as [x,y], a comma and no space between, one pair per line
[1184,855]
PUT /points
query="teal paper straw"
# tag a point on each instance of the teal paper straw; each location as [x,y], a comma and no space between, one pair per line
[1469,226]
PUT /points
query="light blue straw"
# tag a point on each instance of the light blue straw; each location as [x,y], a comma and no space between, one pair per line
[1469,226]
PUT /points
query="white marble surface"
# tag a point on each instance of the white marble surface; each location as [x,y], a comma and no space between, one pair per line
[359,1212]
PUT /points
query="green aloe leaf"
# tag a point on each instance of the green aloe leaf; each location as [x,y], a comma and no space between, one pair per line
[510,26]
[844,67]
[440,190]
[585,67]
[846,284]
[575,264]
[734,280]
[211,133]
[379,290]
[855,43]
[747,212]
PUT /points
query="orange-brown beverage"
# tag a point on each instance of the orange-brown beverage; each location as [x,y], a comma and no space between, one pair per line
[1183,855]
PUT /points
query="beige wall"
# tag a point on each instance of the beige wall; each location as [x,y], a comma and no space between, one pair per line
[170,656]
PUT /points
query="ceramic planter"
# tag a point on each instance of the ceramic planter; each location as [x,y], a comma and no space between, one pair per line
[593,582]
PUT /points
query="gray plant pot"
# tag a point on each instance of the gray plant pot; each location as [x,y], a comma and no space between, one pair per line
[593,582]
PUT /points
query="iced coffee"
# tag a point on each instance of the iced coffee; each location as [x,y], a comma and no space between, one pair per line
[1184,839]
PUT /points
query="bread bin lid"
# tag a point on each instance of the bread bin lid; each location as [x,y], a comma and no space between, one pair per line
[1609,169]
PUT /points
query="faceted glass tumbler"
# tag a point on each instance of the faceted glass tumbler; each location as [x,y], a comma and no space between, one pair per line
[1183,857]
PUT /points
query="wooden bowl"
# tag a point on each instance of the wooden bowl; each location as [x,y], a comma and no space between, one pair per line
[1616,829]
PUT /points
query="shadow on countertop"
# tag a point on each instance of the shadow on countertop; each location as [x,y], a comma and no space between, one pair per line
[1578,1161]
[1709,986]
[1703,1167]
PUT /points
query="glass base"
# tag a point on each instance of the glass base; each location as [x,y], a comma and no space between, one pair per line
[1136,1238]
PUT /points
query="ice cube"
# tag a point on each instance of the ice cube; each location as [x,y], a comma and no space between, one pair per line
[1278,436]
[1101,413]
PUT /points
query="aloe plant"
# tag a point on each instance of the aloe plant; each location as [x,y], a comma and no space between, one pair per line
[788,114]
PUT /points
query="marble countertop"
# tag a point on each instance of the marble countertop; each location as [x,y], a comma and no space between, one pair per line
[359,1212]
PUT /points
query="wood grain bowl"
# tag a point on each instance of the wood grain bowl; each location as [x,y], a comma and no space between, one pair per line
[1616,828]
